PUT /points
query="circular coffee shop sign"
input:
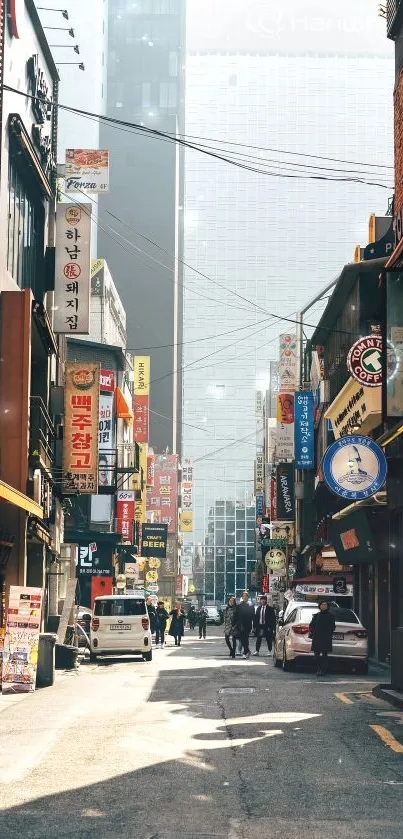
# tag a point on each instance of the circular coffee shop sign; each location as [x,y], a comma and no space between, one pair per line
[364,361]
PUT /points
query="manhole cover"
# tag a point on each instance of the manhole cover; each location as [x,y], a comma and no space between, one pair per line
[237,690]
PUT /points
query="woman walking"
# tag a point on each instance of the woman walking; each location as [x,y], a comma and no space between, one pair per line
[161,618]
[229,625]
[177,627]
[321,631]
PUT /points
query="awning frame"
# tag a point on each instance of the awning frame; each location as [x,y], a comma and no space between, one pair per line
[18,499]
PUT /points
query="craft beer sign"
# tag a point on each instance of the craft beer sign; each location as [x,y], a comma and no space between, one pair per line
[364,361]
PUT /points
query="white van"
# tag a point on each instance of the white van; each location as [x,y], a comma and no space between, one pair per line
[120,625]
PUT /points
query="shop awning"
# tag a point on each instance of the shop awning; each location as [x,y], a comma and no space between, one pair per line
[13,496]
[123,409]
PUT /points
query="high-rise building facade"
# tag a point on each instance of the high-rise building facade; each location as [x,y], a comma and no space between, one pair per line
[296,97]
[141,217]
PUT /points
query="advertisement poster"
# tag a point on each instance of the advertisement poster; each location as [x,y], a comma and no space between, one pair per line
[87,170]
[154,540]
[81,428]
[71,308]
[288,363]
[304,430]
[107,381]
[162,497]
[125,513]
[285,492]
[285,427]
[141,398]
[21,642]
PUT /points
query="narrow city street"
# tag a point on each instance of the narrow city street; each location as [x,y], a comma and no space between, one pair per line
[196,745]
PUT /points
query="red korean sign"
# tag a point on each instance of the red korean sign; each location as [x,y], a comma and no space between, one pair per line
[141,418]
[125,514]
[162,498]
[107,381]
[265,584]
[81,428]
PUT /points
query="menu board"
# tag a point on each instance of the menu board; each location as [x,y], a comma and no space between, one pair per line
[21,642]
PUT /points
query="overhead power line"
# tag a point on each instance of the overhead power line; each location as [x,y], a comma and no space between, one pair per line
[153,132]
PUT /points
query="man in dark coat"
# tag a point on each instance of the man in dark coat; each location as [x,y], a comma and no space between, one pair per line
[321,630]
[265,624]
[202,621]
[244,616]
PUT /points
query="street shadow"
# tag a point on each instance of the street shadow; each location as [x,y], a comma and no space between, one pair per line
[205,760]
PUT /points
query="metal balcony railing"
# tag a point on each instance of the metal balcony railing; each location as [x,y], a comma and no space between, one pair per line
[41,435]
[394,9]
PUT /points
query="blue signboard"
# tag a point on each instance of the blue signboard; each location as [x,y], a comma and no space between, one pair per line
[259,506]
[304,430]
[354,467]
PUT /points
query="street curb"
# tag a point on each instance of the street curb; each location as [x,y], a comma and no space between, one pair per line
[390,695]
[383,665]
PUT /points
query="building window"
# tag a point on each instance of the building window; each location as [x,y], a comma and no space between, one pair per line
[25,242]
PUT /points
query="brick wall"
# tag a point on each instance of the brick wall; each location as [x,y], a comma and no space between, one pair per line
[398,107]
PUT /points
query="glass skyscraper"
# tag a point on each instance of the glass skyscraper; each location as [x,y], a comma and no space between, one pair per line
[265,243]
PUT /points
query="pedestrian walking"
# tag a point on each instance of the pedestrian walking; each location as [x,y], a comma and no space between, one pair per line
[244,617]
[161,618]
[321,631]
[177,628]
[229,625]
[192,617]
[265,624]
[202,621]
[151,614]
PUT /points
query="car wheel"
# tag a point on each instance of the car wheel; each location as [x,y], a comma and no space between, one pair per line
[363,668]
[276,661]
[93,658]
[148,656]
[287,665]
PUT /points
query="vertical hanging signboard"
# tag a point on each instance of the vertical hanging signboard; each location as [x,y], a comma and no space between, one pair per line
[72,269]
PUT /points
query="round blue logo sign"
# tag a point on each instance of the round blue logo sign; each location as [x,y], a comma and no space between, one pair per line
[354,467]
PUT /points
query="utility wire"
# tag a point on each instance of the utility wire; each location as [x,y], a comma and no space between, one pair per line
[176,139]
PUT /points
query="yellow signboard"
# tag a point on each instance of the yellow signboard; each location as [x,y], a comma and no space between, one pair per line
[357,408]
[154,563]
[96,266]
[152,576]
[140,502]
[186,522]
[142,375]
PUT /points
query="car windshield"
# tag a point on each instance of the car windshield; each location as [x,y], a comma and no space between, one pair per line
[119,607]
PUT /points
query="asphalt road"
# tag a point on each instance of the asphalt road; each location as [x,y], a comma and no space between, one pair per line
[196,746]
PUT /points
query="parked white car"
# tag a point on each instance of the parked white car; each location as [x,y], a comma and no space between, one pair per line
[120,625]
[292,642]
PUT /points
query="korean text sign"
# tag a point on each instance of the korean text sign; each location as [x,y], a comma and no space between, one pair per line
[141,398]
[162,497]
[81,428]
[304,431]
[73,269]
[125,513]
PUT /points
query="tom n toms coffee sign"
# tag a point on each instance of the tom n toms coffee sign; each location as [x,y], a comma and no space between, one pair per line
[285,492]
[364,361]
